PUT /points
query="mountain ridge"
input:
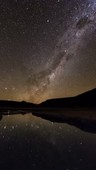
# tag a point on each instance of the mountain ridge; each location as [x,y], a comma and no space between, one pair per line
[87,98]
[78,111]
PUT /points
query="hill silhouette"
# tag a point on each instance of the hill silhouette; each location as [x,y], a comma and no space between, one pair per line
[87,99]
[79,111]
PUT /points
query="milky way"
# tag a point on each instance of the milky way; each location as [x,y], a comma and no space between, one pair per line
[47,49]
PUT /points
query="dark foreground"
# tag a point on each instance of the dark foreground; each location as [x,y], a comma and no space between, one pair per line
[44,138]
[79,111]
[31,143]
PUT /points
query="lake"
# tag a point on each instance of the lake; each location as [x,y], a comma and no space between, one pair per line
[28,142]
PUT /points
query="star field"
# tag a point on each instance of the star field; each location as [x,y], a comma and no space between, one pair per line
[43,45]
[47,50]
[32,143]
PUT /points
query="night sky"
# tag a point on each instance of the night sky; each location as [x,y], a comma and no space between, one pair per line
[47,48]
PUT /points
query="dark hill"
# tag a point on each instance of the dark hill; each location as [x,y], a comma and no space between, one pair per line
[79,111]
[87,99]
[16,104]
